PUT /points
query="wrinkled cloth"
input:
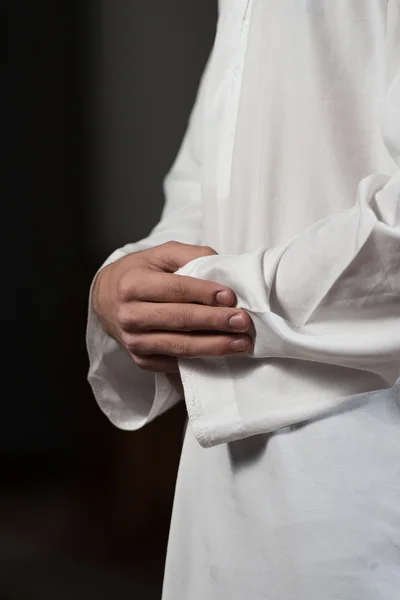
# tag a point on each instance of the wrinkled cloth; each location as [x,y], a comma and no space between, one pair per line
[290,169]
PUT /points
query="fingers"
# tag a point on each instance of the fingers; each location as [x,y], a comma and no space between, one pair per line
[157,364]
[171,256]
[153,316]
[189,345]
[152,286]
[161,316]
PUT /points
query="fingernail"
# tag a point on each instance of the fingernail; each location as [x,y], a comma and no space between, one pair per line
[239,345]
[238,322]
[223,297]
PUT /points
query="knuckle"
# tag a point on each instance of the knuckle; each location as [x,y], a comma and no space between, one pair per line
[172,245]
[165,346]
[143,362]
[130,320]
[133,343]
[178,347]
[136,321]
[124,289]
[123,317]
[172,322]
[185,319]
[215,320]
[178,289]
[183,348]
[206,290]
[126,318]
[157,318]
[179,319]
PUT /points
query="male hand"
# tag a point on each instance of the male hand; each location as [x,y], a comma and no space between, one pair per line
[159,316]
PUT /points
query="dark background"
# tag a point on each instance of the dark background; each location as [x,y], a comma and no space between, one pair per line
[95,97]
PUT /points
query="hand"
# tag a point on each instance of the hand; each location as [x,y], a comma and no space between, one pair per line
[159,316]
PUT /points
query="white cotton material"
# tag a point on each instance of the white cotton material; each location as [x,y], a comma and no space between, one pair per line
[309,237]
[290,169]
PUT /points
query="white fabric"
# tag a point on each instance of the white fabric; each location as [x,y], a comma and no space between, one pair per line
[291,171]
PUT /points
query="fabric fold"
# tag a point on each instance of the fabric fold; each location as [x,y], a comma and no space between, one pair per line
[325,301]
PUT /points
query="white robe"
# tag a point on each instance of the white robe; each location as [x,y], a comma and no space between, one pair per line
[290,169]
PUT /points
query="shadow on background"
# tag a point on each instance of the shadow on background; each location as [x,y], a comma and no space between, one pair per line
[95,100]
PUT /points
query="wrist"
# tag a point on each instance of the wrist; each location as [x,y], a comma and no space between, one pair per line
[101,299]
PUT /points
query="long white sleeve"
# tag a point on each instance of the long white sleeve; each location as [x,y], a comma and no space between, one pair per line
[326,311]
[129,396]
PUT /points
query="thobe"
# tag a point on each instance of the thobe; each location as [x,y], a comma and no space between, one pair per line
[289,482]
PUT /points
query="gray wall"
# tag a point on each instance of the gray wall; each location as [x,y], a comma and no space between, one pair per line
[148,57]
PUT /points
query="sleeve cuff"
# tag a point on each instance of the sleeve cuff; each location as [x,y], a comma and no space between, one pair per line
[210,401]
[129,396]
